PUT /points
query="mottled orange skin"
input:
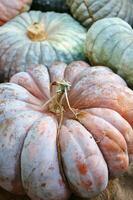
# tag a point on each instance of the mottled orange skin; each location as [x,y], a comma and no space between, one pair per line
[53,152]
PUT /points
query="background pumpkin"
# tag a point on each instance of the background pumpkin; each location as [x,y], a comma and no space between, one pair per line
[10,9]
[110,42]
[87,12]
[50,5]
[38,38]
[33,102]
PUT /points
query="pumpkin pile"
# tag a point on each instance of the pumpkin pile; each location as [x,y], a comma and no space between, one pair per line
[66,118]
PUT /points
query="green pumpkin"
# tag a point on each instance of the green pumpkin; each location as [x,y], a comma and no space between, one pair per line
[49,5]
[89,11]
[39,38]
[110,42]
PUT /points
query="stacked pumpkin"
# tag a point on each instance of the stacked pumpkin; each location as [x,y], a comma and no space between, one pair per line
[65,126]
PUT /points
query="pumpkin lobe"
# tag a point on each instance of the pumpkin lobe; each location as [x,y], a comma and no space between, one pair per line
[36,32]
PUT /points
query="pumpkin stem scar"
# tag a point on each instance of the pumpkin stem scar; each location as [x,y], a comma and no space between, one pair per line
[36,32]
[55,103]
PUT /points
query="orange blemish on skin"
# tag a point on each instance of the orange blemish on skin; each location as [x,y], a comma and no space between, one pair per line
[82,167]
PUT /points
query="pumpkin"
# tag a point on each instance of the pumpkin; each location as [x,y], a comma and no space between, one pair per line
[109,43]
[38,38]
[64,129]
[87,12]
[50,5]
[9,9]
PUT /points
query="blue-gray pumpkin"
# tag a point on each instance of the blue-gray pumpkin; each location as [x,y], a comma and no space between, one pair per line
[110,43]
[89,11]
[39,38]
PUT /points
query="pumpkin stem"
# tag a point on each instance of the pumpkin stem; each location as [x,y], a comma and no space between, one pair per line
[70,108]
[55,104]
[36,32]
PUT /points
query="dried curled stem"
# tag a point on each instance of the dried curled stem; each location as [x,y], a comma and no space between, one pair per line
[55,104]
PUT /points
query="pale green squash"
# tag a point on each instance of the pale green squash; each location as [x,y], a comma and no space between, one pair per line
[110,43]
[89,11]
[40,38]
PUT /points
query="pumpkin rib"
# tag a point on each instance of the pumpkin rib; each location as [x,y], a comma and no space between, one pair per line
[23,22]
[6,52]
[101,33]
[38,82]
[25,16]
[11,63]
[74,3]
[122,53]
[7,87]
[12,103]
[51,50]
[83,83]
[9,45]
[15,180]
[79,160]
[104,44]
[127,132]
[70,75]
[69,52]
[104,7]
[31,85]
[97,10]
[30,144]
[116,102]
[127,14]
[90,14]
[131,14]
[102,142]
[118,142]
[118,8]
[57,73]
[123,7]
[80,9]
[120,58]
[111,76]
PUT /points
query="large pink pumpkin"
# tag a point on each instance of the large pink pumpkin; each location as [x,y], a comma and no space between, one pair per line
[11,8]
[62,130]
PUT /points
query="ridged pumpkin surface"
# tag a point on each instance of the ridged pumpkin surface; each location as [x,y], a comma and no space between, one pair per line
[38,38]
[64,130]
[89,11]
[49,5]
[110,43]
[11,8]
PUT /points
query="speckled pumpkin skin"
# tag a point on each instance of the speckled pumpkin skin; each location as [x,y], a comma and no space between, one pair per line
[64,41]
[89,11]
[109,42]
[87,148]
[50,5]
[11,8]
